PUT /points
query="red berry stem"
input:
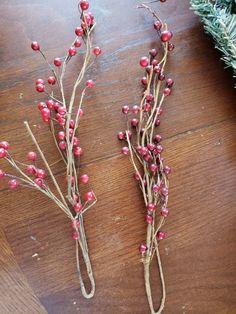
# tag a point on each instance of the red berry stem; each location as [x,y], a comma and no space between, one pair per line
[146,152]
[63,118]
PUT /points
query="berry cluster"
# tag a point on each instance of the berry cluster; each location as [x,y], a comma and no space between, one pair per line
[143,144]
[62,116]
[147,148]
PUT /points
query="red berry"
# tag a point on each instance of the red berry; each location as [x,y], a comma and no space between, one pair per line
[75,197]
[57,62]
[97,51]
[41,105]
[89,196]
[159,149]
[153,168]
[76,141]
[39,81]
[35,46]
[144,81]
[78,207]
[72,51]
[125,109]
[40,88]
[147,158]
[164,191]
[56,106]
[164,212]
[87,19]
[148,69]
[147,107]
[157,122]
[149,97]
[50,104]
[45,112]
[13,184]
[77,43]
[75,224]
[167,91]
[90,83]
[155,188]
[61,135]
[91,16]
[72,123]
[161,76]
[144,61]
[2,174]
[134,122]
[51,80]
[40,173]
[166,36]
[153,52]
[170,47]
[121,136]
[159,111]
[5,145]
[81,113]
[31,169]
[151,207]
[39,182]
[169,82]
[79,31]
[61,111]
[78,151]
[151,147]
[157,25]
[3,153]
[125,150]
[143,150]
[157,138]
[71,132]
[84,5]
[161,235]
[155,62]
[157,69]
[84,178]
[167,169]
[32,156]
[62,145]
[149,219]
[142,248]
[75,235]
[135,109]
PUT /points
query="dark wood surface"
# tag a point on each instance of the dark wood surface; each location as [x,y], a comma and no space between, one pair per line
[37,254]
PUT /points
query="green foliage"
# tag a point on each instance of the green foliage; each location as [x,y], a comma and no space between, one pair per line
[219,21]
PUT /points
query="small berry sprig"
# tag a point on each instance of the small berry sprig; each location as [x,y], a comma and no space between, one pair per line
[145,149]
[63,117]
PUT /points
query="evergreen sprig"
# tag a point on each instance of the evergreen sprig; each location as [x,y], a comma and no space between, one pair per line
[219,20]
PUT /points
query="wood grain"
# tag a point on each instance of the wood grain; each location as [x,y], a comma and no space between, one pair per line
[37,256]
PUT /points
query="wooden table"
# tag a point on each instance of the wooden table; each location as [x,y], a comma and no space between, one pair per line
[37,254]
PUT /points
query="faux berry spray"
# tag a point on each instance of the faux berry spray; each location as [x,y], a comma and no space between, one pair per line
[63,118]
[143,146]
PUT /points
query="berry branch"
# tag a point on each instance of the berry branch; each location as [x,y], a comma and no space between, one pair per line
[63,118]
[145,150]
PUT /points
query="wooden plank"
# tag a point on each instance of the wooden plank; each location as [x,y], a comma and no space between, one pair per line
[16,295]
